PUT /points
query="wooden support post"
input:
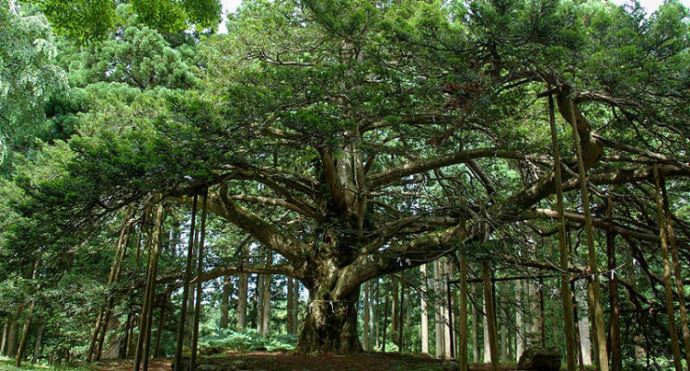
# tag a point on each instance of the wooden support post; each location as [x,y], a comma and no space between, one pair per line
[564,256]
[185,290]
[677,273]
[614,325]
[199,289]
[144,341]
[596,312]
[668,288]
[490,314]
[449,301]
[385,324]
[462,356]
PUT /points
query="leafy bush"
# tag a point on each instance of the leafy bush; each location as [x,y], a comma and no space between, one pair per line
[228,340]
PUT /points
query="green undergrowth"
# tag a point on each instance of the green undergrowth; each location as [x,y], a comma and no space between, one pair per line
[7,364]
[225,340]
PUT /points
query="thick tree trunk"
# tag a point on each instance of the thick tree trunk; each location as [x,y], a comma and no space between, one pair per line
[331,324]
[242,295]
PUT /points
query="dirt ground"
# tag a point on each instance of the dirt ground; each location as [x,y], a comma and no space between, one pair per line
[285,361]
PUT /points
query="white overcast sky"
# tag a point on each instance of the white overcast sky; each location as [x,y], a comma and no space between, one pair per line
[649,5]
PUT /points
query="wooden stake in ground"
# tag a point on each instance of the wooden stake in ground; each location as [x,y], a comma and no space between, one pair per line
[185,289]
[199,289]
[668,287]
[596,312]
[569,324]
[490,313]
[677,273]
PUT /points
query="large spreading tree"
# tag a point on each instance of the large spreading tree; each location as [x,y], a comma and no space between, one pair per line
[361,138]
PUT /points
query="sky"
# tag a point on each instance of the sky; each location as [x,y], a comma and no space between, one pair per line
[649,5]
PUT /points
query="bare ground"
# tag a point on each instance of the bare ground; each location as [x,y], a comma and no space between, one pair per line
[288,361]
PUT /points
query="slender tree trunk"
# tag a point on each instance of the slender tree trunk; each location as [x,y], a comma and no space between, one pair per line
[160,327]
[242,296]
[103,316]
[584,331]
[199,287]
[668,288]
[424,310]
[536,319]
[144,341]
[486,348]
[366,319]
[5,333]
[291,312]
[401,316]
[125,340]
[38,343]
[266,295]
[225,302]
[376,314]
[12,333]
[490,313]
[475,329]
[614,318]
[677,272]
[25,334]
[462,318]
[595,309]
[185,289]
[439,310]
[385,325]
[520,341]
[395,309]
[448,328]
